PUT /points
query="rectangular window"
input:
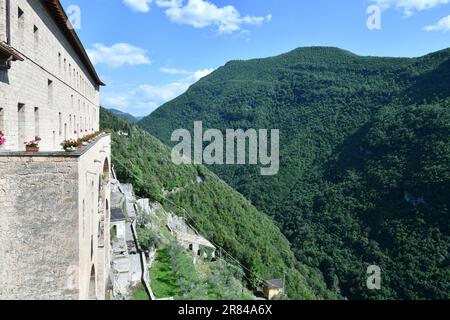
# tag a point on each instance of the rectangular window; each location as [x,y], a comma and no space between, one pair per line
[36,122]
[2,123]
[20,26]
[59,62]
[50,92]
[36,38]
[21,125]
[60,123]
[20,18]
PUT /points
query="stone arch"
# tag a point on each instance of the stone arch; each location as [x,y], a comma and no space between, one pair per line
[92,285]
[106,166]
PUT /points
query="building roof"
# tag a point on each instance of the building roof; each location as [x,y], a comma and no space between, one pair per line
[117,215]
[274,284]
[58,14]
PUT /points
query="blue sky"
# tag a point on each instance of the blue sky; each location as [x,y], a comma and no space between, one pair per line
[150,51]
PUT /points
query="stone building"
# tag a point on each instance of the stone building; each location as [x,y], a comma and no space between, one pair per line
[273,289]
[54,205]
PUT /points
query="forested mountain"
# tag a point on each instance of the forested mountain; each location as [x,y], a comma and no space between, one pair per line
[124,115]
[365,160]
[215,209]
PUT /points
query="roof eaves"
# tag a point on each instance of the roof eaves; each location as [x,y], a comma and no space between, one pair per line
[57,12]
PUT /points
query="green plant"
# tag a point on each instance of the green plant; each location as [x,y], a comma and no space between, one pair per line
[69,144]
[148,239]
[113,233]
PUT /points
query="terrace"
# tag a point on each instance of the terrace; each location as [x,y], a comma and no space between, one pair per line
[55,154]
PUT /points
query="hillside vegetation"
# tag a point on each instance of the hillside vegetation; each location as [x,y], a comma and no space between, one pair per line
[365,150]
[216,210]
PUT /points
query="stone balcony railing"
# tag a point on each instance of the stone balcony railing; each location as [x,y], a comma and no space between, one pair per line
[71,154]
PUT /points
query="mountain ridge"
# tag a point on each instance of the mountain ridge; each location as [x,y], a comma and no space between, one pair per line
[327,101]
[127,116]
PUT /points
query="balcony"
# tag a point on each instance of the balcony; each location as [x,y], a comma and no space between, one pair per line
[56,154]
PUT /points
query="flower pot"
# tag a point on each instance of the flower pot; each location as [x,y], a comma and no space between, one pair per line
[31,149]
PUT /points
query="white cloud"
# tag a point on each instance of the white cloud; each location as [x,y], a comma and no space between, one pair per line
[174,71]
[203,13]
[138,5]
[146,98]
[200,14]
[118,55]
[410,6]
[441,25]
[197,75]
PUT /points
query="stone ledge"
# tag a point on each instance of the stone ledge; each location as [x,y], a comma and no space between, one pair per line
[52,154]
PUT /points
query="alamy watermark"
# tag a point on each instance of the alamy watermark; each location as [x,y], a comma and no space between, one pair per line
[72,276]
[374,277]
[237,142]
[74,17]
[374,19]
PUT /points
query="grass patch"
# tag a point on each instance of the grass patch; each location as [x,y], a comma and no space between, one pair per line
[163,280]
[140,293]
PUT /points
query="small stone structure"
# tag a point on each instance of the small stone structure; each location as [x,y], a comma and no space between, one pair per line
[188,238]
[273,289]
[118,222]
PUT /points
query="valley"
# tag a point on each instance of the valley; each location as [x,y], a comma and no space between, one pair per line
[356,134]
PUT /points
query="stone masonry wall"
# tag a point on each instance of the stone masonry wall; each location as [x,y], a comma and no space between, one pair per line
[3,20]
[94,216]
[38,228]
[55,224]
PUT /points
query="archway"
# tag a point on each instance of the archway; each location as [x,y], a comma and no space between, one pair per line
[106,167]
[92,289]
